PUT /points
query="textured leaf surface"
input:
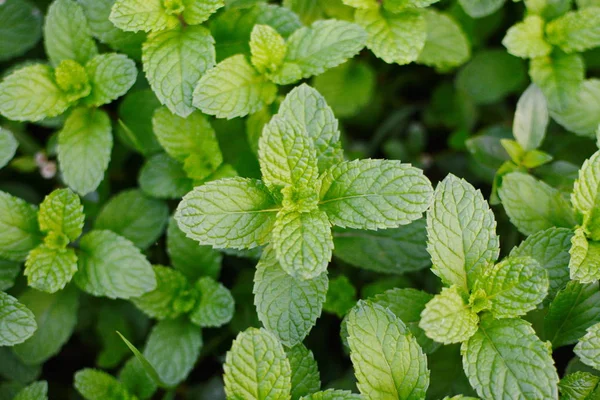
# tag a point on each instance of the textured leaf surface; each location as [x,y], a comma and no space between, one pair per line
[578,385]
[267,48]
[305,372]
[35,391]
[287,306]
[387,360]
[8,146]
[576,31]
[531,118]
[18,322]
[49,270]
[62,212]
[111,76]
[559,76]
[587,186]
[20,28]
[584,265]
[142,15]
[19,230]
[256,367]
[196,12]
[216,305]
[581,113]
[171,297]
[526,39]
[446,45]
[94,384]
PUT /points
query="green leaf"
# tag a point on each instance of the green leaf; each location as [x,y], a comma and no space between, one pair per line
[142,15]
[233,88]
[446,45]
[196,12]
[581,112]
[174,61]
[62,212]
[506,358]
[256,367]
[145,364]
[387,360]
[19,230]
[267,47]
[395,38]
[548,9]
[111,266]
[579,386]
[531,118]
[173,348]
[526,39]
[135,128]
[447,374]
[588,348]
[574,309]
[8,273]
[84,146]
[332,394]
[31,94]
[94,384]
[20,28]
[18,322]
[8,146]
[532,205]
[171,297]
[584,265]
[48,269]
[35,391]
[215,306]
[586,192]
[135,217]
[56,316]
[481,8]
[137,381]
[447,318]
[514,286]
[305,372]
[164,178]
[462,233]
[361,4]
[287,306]
[576,31]
[398,6]
[558,76]
[236,212]
[113,317]
[341,296]
[111,76]
[67,35]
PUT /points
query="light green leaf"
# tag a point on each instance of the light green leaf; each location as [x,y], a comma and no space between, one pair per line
[395,38]
[8,146]
[387,360]
[462,233]
[173,348]
[84,146]
[164,178]
[548,9]
[215,306]
[579,386]
[584,265]
[18,322]
[267,47]
[20,28]
[56,316]
[111,76]
[447,318]
[94,384]
[287,306]
[137,380]
[303,242]
[505,358]
[398,6]
[142,15]
[361,3]
[111,266]
[236,212]
[67,35]
[256,367]
[62,212]
[533,205]
[526,39]
[305,372]
[481,8]
[35,391]
[48,269]
[135,217]
[446,45]
[531,118]
[332,394]
[586,193]
[31,94]
[581,113]
[174,61]
[198,11]
[588,348]
[558,76]
[19,231]
[574,309]
[233,88]
[576,31]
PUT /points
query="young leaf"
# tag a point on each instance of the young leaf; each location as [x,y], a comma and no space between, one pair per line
[481,8]
[171,297]
[233,88]
[387,360]
[216,305]
[506,358]
[142,15]
[111,76]
[111,266]
[446,45]
[526,39]
[94,384]
[62,212]
[17,321]
[174,61]
[48,269]
[287,306]
[588,348]
[19,230]
[235,212]
[576,31]
[35,391]
[559,76]
[20,28]
[584,265]
[448,319]
[8,146]
[462,233]
[256,367]
[196,12]
[84,146]
[305,372]
[267,47]
[332,394]
[531,118]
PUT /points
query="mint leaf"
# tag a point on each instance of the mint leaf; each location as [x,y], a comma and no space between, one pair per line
[174,61]
[8,146]
[18,322]
[361,4]
[8,273]
[142,15]
[305,372]
[462,233]
[135,121]
[172,362]
[171,297]
[580,114]
[576,31]
[531,118]
[67,34]
[136,379]
[558,76]
[578,385]
[84,146]
[481,8]
[144,363]
[19,230]
[62,212]
[341,296]
[233,88]
[397,6]
[585,194]
[532,205]
[48,269]
[256,367]
[287,306]
[506,358]
[267,47]
[135,217]
[94,384]
[111,266]
[20,28]
[526,39]
[35,391]
[584,265]
[332,394]
[56,316]
[31,94]
[164,178]
[234,212]
[111,76]
[588,348]
[215,306]
[446,45]
[196,12]
[387,360]
[447,318]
